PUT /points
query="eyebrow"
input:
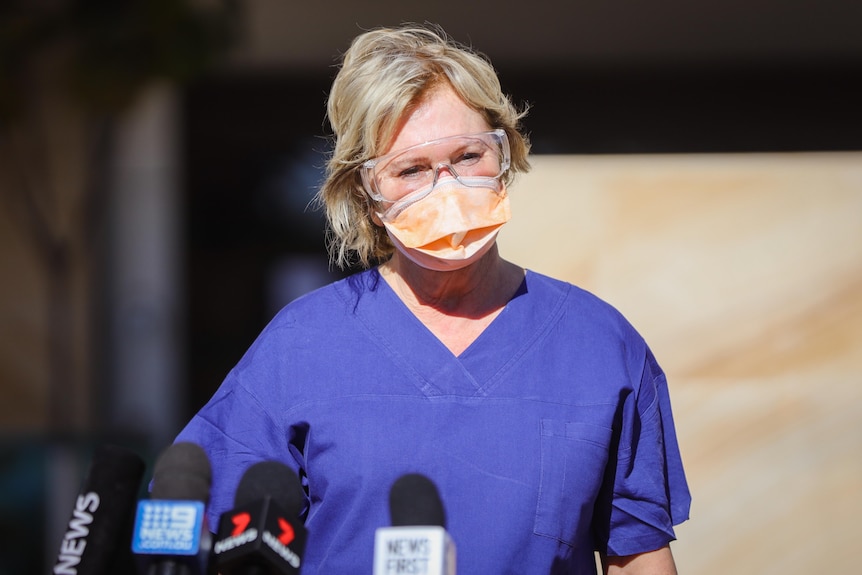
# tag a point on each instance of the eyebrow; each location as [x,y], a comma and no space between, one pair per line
[420,149]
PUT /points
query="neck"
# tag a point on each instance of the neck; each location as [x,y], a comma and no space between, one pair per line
[476,291]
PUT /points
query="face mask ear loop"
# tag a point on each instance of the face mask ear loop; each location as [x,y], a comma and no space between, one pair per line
[373,208]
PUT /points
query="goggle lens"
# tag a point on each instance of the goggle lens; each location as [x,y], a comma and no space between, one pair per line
[391,177]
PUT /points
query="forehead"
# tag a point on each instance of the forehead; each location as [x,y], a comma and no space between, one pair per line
[439,114]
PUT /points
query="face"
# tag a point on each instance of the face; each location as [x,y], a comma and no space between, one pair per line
[429,145]
[454,227]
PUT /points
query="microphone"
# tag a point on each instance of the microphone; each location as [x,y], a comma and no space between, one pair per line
[262,534]
[100,517]
[417,542]
[170,535]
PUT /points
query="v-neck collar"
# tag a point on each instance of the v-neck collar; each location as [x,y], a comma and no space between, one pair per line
[435,370]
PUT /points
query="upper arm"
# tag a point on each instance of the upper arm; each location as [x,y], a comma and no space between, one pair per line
[658,562]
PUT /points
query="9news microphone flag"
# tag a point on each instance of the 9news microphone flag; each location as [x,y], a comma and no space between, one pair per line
[417,542]
[170,535]
[262,534]
[101,517]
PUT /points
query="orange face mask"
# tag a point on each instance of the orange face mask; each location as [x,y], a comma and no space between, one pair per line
[451,227]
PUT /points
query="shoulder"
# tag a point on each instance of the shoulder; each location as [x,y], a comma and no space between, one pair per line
[328,301]
[313,325]
[582,306]
[589,328]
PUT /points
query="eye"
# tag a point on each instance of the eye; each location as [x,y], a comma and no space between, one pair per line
[411,172]
[467,158]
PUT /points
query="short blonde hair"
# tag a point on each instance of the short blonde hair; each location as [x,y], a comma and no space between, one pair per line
[383,74]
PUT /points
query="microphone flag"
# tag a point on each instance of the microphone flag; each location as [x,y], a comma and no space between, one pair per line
[262,534]
[417,542]
[170,535]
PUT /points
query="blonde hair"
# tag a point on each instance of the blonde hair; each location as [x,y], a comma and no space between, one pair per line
[383,74]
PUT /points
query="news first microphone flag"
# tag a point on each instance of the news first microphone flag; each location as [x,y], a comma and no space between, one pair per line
[418,541]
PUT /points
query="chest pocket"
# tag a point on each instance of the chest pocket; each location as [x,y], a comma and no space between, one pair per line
[573,460]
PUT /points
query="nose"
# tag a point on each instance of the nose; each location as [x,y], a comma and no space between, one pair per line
[448,168]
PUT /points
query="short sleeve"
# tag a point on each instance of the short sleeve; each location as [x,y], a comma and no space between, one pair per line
[647,492]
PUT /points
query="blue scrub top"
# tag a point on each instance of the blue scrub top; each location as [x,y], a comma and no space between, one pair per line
[549,438]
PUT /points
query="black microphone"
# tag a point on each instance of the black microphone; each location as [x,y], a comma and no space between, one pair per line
[101,515]
[417,542]
[170,535]
[262,534]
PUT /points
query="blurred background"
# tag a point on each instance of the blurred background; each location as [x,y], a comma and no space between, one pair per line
[698,165]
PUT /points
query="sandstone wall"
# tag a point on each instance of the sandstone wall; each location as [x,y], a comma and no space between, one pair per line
[744,273]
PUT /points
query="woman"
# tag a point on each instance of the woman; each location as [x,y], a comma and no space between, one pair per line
[535,408]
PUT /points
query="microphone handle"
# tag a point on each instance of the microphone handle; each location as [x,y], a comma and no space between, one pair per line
[169,567]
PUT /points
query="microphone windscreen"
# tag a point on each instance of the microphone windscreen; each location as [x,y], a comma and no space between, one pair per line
[182,472]
[414,500]
[115,469]
[271,478]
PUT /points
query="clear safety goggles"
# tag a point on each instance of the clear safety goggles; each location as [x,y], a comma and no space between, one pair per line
[408,175]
